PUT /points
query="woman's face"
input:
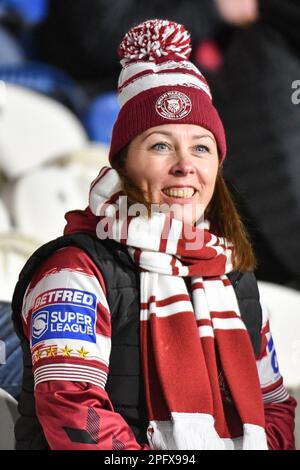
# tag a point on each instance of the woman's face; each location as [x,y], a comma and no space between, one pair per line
[177,165]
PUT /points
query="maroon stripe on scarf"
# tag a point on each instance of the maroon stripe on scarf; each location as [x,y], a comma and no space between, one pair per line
[209,349]
[203,253]
[209,267]
[226,282]
[241,358]
[204,322]
[137,255]
[175,270]
[166,301]
[184,371]
[172,299]
[197,285]
[224,314]
[156,405]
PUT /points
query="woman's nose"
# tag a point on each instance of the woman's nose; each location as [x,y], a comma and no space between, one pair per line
[183,165]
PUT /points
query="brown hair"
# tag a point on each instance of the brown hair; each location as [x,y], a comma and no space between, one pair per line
[222,213]
[225,221]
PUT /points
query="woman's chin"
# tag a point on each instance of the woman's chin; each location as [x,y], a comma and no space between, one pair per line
[188,214]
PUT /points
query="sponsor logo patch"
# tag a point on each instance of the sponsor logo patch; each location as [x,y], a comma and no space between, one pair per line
[40,324]
[64,313]
[173,105]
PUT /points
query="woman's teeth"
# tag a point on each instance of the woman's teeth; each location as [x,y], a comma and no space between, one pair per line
[179,192]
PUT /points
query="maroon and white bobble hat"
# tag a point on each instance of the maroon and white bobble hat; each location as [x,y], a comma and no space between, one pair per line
[159,85]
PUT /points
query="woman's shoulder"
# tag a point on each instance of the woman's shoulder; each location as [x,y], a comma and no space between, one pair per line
[244,283]
[68,263]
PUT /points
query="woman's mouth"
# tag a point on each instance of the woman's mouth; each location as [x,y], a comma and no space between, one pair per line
[180,193]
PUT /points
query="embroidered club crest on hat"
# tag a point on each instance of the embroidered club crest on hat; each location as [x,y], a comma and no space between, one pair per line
[173,105]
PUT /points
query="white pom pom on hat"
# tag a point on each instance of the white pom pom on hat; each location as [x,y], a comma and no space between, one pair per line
[159,85]
[155,40]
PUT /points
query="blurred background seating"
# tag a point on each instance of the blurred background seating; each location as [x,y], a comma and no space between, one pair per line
[44,128]
[11,363]
[9,416]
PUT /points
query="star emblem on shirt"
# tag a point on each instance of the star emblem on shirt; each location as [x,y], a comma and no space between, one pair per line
[51,352]
[38,355]
[82,352]
[66,351]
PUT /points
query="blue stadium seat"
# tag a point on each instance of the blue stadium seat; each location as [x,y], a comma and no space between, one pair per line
[11,52]
[48,80]
[100,117]
[11,360]
[30,11]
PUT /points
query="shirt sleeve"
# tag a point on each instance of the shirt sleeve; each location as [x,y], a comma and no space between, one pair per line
[278,404]
[66,318]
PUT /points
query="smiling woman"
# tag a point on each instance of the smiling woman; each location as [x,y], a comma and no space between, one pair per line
[172,168]
[178,165]
[175,354]
[171,164]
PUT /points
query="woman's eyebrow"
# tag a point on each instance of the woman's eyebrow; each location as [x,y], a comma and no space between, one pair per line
[200,136]
[169,134]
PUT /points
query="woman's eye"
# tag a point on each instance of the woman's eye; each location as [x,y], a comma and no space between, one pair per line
[160,146]
[202,148]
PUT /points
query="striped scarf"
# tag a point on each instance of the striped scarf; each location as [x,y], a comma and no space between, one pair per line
[192,334]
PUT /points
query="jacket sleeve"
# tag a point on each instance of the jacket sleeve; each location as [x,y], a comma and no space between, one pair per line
[278,404]
[67,321]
